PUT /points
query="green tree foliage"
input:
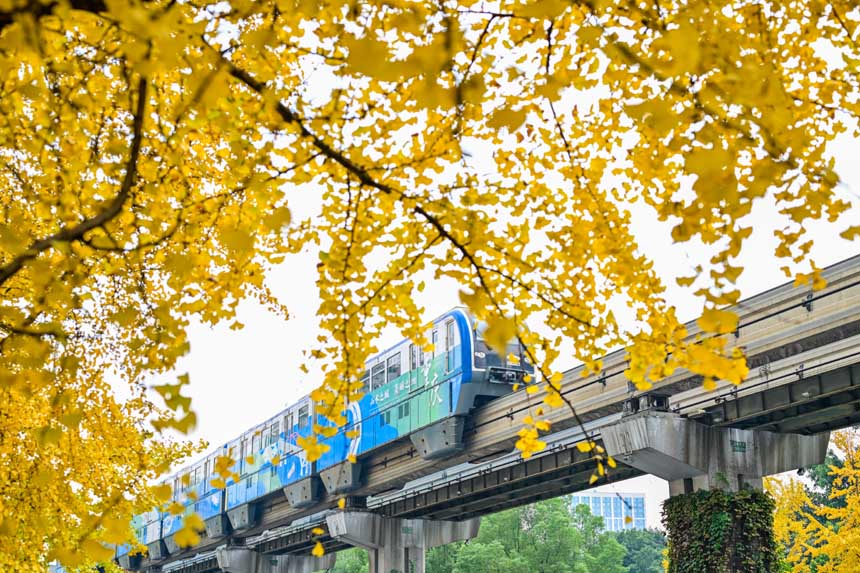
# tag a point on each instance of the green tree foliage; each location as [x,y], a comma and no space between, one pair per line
[822,478]
[546,537]
[351,561]
[644,549]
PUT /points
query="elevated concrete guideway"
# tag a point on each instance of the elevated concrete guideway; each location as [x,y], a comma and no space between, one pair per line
[804,351]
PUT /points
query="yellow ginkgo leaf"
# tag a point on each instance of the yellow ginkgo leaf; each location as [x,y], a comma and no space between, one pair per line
[114,530]
[318,550]
[162,492]
[718,321]
[553,399]
[499,331]
[96,551]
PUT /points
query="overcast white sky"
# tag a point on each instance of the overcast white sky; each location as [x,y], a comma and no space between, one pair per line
[240,378]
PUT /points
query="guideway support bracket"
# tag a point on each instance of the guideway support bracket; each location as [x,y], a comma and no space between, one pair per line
[244,560]
[692,456]
[397,545]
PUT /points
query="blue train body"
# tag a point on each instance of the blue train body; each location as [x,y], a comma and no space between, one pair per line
[407,391]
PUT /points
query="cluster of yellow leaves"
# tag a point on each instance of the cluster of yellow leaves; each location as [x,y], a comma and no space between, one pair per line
[313,448]
[318,549]
[148,151]
[822,538]
[601,458]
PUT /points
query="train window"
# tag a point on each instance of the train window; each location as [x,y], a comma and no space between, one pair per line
[394,367]
[413,357]
[435,341]
[377,376]
[365,380]
[403,410]
[206,469]
[176,490]
[273,433]
[303,416]
[257,440]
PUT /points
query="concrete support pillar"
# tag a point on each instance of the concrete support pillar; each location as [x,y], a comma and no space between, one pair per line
[692,456]
[697,459]
[397,545]
[244,560]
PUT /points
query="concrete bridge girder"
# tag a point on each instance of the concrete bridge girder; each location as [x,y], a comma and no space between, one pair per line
[693,456]
[397,545]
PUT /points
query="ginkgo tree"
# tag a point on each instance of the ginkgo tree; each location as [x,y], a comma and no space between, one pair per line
[151,151]
[820,531]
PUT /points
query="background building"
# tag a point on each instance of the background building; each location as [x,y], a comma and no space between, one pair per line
[614,507]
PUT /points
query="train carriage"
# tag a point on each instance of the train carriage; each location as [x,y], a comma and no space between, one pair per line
[408,394]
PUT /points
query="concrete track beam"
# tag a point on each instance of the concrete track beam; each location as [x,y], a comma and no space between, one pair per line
[397,545]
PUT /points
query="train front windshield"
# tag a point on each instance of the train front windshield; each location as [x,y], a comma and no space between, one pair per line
[487,358]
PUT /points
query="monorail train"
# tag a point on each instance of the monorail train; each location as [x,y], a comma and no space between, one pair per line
[406,390]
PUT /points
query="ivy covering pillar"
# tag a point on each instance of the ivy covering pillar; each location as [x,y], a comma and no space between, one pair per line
[721,531]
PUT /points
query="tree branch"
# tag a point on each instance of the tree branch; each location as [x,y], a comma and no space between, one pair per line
[69,234]
[40,9]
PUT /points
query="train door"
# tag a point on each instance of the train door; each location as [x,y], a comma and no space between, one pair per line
[419,415]
[449,346]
